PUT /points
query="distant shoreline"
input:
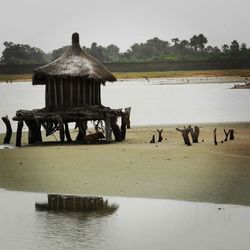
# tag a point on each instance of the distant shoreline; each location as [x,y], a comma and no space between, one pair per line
[243,73]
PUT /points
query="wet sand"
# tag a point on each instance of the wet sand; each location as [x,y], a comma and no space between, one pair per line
[135,168]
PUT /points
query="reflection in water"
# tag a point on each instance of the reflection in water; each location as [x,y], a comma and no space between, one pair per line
[76,203]
[137,224]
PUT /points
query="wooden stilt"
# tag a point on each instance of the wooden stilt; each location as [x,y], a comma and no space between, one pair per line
[19,133]
[116,130]
[8,130]
[123,126]
[82,126]
[127,111]
[61,129]
[67,133]
[108,128]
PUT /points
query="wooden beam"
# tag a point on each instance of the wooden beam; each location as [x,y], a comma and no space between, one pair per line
[19,133]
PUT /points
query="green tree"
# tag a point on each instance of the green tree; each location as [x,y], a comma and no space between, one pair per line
[58,52]
[22,54]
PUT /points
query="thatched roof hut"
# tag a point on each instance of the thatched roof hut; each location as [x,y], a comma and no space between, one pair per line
[73,94]
[73,79]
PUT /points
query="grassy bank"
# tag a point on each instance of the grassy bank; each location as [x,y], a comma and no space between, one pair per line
[160,74]
[15,77]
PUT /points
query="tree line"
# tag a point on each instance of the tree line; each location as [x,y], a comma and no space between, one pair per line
[153,50]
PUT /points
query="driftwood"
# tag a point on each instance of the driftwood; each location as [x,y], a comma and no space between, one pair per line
[194,133]
[93,138]
[153,139]
[8,130]
[231,134]
[185,136]
[160,138]
[215,139]
[226,134]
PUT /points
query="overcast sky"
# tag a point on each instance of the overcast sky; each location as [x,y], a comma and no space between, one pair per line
[48,24]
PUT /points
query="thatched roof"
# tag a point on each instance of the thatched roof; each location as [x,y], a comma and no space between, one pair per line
[73,63]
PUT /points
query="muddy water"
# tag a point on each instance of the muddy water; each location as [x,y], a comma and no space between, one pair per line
[156,102]
[136,224]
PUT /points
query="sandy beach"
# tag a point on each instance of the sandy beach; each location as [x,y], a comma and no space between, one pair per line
[135,168]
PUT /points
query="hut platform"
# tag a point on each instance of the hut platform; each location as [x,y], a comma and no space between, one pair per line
[57,120]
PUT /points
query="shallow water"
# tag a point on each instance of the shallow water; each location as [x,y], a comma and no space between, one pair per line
[137,224]
[156,102]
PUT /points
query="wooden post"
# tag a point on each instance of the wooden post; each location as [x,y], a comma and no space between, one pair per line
[8,130]
[34,134]
[108,128]
[127,111]
[61,93]
[98,93]
[78,92]
[19,133]
[93,93]
[67,133]
[82,126]
[55,90]
[71,93]
[124,125]
[61,128]
[49,94]
[84,92]
[90,93]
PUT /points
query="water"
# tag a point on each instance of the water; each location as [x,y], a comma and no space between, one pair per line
[159,101]
[137,224]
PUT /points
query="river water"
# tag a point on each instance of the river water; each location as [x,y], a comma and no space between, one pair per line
[159,101]
[136,224]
